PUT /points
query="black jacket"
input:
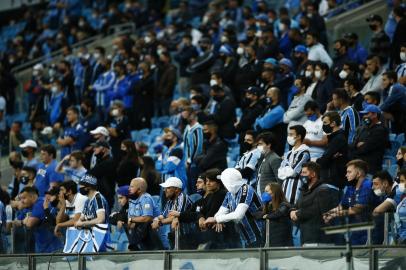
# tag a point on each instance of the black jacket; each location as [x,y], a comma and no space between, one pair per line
[225,117]
[334,159]
[248,117]
[376,140]
[322,93]
[280,229]
[214,155]
[311,206]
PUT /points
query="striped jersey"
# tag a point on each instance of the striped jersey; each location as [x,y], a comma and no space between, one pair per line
[249,160]
[250,228]
[193,142]
[181,204]
[94,205]
[350,121]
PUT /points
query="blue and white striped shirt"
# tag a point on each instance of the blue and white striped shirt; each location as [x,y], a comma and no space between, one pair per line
[350,121]
[250,160]
[193,142]
[103,83]
[94,205]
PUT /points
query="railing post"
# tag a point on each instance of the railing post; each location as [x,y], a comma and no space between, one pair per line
[177,237]
[82,262]
[369,234]
[167,260]
[267,228]
[31,262]
[386,229]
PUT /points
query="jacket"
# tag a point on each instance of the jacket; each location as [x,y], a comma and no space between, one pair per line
[224,116]
[214,155]
[268,170]
[280,228]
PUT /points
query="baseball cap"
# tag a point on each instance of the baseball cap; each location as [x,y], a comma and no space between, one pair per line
[100,130]
[172,182]
[101,144]
[286,62]
[374,18]
[301,49]
[351,35]
[254,90]
[272,61]
[38,67]
[46,131]
[29,143]
[88,179]
[123,190]
[371,108]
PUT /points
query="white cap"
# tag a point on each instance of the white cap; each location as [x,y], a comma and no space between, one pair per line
[46,131]
[100,130]
[38,67]
[29,143]
[172,182]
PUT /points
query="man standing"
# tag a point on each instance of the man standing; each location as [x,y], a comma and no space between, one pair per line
[314,202]
[73,134]
[28,149]
[380,42]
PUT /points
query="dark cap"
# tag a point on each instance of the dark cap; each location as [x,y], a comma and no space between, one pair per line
[54,191]
[351,35]
[254,90]
[101,144]
[374,18]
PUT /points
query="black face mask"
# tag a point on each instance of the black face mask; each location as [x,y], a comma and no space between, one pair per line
[400,162]
[133,196]
[83,111]
[123,153]
[99,155]
[16,164]
[352,183]
[167,142]
[54,203]
[247,146]
[218,98]
[305,182]
[367,121]
[24,153]
[24,180]
[327,129]
[373,27]
[83,191]
[207,135]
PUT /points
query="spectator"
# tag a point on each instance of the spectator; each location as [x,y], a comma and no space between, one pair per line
[105,171]
[400,210]
[353,87]
[33,218]
[72,138]
[74,169]
[141,212]
[166,85]
[46,176]
[295,113]
[143,98]
[315,138]
[71,204]
[317,23]
[394,103]
[335,157]
[171,162]
[118,127]
[249,160]
[300,59]
[388,191]
[98,67]
[371,98]
[316,200]
[357,200]
[401,68]
[120,218]
[129,163]
[356,52]
[380,42]
[398,37]
[103,83]
[151,176]
[322,91]
[268,165]
[291,166]
[401,158]
[90,119]
[193,144]
[276,209]
[349,116]
[15,136]
[214,149]
[371,139]
[341,57]
[24,177]
[316,50]
[272,119]
[28,149]
[186,52]
[57,105]
[239,205]
[374,67]
[99,134]
[3,125]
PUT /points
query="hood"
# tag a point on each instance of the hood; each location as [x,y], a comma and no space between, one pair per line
[232,180]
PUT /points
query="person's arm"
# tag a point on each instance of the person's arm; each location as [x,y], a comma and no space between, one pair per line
[31,222]
[386,206]
[141,219]
[293,114]
[101,216]
[333,148]
[376,138]
[395,97]
[242,207]
[60,168]
[282,211]
[213,155]
[65,141]
[318,143]
[271,118]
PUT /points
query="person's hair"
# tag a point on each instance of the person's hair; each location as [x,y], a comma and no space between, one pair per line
[374,57]
[30,190]
[211,124]
[70,185]
[305,82]
[323,66]
[314,34]
[359,164]
[300,130]
[30,170]
[267,137]
[89,103]
[353,80]
[402,149]
[78,155]
[148,171]
[132,153]
[374,95]
[314,167]
[101,49]
[392,75]
[353,66]
[402,172]
[73,109]
[383,176]
[312,105]
[399,11]
[218,74]
[342,42]
[333,117]
[342,94]
[199,99]
[250,132]
[277,198]
[50,149]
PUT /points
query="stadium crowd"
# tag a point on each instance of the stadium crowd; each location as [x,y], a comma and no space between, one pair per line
[217,117]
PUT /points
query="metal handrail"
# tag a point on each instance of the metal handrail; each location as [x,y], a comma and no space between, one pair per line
[112,30]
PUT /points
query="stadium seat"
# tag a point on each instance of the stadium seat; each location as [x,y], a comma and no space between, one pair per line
[390,153]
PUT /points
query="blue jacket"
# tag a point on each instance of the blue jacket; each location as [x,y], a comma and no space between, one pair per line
[270,119]
[103,83]
[397,94]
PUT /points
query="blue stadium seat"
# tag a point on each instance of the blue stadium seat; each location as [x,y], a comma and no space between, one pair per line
[134,135]
[401,138]
[390,154]
[155,132]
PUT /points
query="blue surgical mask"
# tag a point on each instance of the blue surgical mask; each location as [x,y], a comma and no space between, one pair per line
[266,197]
[312,117]
[365,104]
[195,107]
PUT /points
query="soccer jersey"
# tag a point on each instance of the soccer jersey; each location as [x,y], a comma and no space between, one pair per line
[143,206]
[95,205]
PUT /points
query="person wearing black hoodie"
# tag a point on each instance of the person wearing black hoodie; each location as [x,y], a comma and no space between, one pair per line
[335,157]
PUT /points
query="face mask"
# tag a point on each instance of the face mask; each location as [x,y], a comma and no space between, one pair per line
[83,191]
[213,82]
[308,74]
[313,117]
[167,142]
[133,196]
[266,197]
[373,27]
[81,23]
[83,111]
[327,129]
[282,27]
[195,107]
[16,164]
[240,51]
[54,89]
[352,182]
[304,179]
[207,135]
[35,73]
[99,155]
[247,146]
[402,187]
[24,180]
[310,15]
[147,39]
[24,153]
[261,148]
[51,72]
[365,104]
[403,56]
[115,112]
[378,192]
[218,98]
[317,74]
[200,191]
[96,56]
[366,121]
[400,162]
[54,203]
[343,74]
[291,140]
[223,39]
[268,100]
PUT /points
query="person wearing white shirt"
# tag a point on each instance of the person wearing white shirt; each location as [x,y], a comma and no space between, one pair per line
[315,137]
[317,51]
[374,83]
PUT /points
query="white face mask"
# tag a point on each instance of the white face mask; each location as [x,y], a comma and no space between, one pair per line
[258,34]
[224,39]
[159,51]
[240,51]
[96,56]
[260,148]
[379,192]
[282,27]
[343,74]
[402,187]
[54,89]
[308,74]
[35,73]
[403,56]
[115,112]
[147,39]
[291,140]
[213,82]
[317,74]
